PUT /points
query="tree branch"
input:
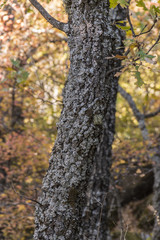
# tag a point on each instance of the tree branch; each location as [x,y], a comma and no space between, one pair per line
[55,23]
[137,35]
[130,23]
[152,114]
[59,40]
[156,42]
[114,70]
[23,196]
[138,115]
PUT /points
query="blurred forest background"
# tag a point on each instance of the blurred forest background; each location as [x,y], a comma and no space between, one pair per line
[34,64]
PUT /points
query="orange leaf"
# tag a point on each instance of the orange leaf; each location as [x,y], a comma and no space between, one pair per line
[121,57]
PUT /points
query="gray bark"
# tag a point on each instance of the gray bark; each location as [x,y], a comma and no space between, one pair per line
[62,212]
[95,213]
[95,224]
[156,199]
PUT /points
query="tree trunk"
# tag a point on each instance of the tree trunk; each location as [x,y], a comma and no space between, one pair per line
[95,224]
[62,212]
[95,214]
[156,198]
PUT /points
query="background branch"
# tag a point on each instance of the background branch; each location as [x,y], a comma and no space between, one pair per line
[137,35]
[55,23]
[138,115]
[153,114]
[130,23]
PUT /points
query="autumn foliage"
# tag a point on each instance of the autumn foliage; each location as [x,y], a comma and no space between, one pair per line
[32,73]
[33,68]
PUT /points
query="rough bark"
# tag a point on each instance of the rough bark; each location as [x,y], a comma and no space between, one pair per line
[82,129]
[156,199]
[95,224]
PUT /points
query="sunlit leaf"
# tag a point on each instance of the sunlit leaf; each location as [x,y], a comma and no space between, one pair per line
[4,2]
[113,3]
[126,28]
[121,57]
[123,3]
[140,3]
[139,82]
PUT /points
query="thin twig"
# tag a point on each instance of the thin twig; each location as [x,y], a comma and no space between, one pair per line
[23,196]
[141,33]
[152,114]
[115,70]
[138,115]
[156,42]
[143,29]
[130,23]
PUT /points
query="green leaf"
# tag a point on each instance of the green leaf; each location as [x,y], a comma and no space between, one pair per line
[123,3]
[154,11]
[2,5]
[16,63]
[20,80]
[143,55]
[139,82]
[113,3]
[24,75]
[140,3]
[150,56]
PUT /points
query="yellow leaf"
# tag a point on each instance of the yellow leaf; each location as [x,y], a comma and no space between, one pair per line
[132,47]
[21,207]
[9,69]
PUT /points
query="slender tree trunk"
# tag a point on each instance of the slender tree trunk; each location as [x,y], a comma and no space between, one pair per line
[82,130]
[154,152]
[156,199]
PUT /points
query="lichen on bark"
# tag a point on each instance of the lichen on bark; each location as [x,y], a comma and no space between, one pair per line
[91,38]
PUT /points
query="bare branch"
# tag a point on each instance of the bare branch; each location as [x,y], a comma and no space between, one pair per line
[23,196]
[59,40]
[114,70]
[156,42]
[138,115]
[55,23]
[130,23]
[152,114]
[155,20]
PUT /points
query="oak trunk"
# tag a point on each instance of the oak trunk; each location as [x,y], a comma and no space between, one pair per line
[74,192]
